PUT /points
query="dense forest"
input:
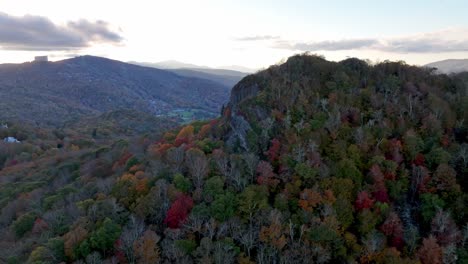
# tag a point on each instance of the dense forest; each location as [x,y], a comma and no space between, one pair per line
[311,161]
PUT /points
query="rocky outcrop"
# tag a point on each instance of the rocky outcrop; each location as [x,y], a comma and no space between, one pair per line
[246,88]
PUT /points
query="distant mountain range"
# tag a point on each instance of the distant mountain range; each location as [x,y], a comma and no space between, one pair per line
[228,76]
[55,92]
[173,64]
[450,66]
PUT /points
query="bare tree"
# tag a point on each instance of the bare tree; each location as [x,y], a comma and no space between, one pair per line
[198,166]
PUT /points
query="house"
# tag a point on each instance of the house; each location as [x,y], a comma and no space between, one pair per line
[41,59]
[11,140]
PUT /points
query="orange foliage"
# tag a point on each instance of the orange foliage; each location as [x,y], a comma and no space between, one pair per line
[72,239]
[204,131]
[309,199]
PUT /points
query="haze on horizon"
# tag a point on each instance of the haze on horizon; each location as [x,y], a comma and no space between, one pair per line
[222,33]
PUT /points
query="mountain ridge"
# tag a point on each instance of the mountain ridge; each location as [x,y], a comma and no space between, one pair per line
[450,65]
[92,85]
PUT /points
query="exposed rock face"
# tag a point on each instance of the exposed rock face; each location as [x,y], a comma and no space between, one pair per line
[11,140]
[246,88]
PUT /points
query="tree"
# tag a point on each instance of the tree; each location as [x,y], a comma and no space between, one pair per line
[105,236]
[73,238]
[146,248]
[393,228]
[309,199]
[179,211]
[430,252]
[266,176]
[197,164]
[224,206]
[181,183]
[23,224]
[273,151]
[253,199]
[445,179]
[444,229]
[185,135]
[363,201]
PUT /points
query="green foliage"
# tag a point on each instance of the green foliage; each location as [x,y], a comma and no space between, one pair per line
[224,206]
[429,205]
[104,237]
[23,224]
[56,247]
[186,245]
[181,183]
[305,172]
[131,162]
[214,186]
[437,156]
[344,212]
[348,170]
[253,199]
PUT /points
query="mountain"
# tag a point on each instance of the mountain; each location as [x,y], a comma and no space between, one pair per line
[173,64]
[222,76]
[311,161]
[53,92]
[450,66]
[169,64]
[225,77]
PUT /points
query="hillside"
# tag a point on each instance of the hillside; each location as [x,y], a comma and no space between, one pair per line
[54,92]
[450,66]
[225,77]
[311,162]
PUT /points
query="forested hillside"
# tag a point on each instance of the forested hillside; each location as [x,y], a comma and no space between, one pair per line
[52,93]
[311,162]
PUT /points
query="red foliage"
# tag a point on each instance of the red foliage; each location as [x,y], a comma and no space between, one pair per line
[363,201]
[179,211]
[266,176]
[380,191]
[39,226]
[161,149]
[180,141]
[445,140]
[12,163]
[119,253]
[393,228]
[390,176]
[419,160]
[423,184]
[394,151]
[381,195]
[273,152]
[214,122]
[123,160]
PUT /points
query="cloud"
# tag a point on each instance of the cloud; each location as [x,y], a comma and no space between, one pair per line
[451,40]
[329,45]
[257,38]
[39,33]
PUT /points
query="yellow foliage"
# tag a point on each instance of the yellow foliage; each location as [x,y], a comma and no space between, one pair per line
[186,132]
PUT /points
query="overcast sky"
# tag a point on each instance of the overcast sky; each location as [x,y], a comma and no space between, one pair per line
[249,33]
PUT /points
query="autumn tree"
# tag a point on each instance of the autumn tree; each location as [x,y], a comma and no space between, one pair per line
[146,248]
[430,252]
[178,212]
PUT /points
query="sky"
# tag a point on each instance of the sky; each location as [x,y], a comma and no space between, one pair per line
[253,34]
